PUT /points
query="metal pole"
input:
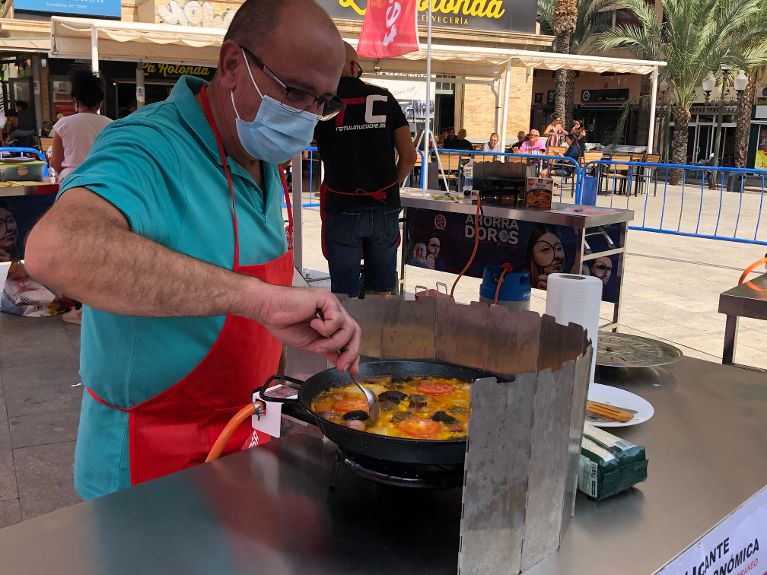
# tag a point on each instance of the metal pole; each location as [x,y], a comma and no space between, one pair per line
[140,88]
[506,103]
[94,50]
[725,77]
[427,128]
[653,103]
[37,82]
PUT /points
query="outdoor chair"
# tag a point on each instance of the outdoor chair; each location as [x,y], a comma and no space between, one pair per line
[649,173]
[617,175]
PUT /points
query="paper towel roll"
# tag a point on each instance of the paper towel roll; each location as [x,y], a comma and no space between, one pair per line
[576,299]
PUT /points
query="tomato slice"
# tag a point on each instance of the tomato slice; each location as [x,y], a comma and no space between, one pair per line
[419,427]
[435,388]
[346,405]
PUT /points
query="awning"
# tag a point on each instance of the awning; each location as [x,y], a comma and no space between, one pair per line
[474,59]
[134,42]
[138,42]
[24,35]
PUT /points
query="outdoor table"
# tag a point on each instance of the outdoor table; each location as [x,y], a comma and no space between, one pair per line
[746,300]
[270,509]
[587,221]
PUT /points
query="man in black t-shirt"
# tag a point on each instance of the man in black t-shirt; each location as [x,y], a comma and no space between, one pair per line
[360,194]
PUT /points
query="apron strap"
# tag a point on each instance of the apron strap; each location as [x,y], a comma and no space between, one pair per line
[222,154]
[379,195]
[104,403]
[288,206]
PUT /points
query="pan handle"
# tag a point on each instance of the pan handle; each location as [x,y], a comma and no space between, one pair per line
[281,389]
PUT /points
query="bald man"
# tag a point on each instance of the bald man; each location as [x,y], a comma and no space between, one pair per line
[176,244]
[367,151]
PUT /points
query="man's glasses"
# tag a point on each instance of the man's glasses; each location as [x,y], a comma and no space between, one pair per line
[433,246]
[298,100]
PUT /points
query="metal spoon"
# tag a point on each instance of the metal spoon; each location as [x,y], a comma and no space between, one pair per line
[369,395]
[372,401]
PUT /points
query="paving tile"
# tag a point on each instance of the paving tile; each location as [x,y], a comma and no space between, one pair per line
[7,470]
[45,476]
[41,393]
[42,428]
[10,512]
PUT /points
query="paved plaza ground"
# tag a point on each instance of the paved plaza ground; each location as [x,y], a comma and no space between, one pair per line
[671,290]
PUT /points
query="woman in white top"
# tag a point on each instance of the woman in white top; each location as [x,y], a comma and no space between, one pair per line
[73,136]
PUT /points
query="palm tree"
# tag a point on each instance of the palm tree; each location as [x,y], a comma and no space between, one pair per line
[565,18]
[751,54]
[695,37]
[555,16]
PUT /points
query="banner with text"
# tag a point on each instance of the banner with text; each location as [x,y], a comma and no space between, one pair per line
[491,15]
[443,241]
[389,29]
[734,547]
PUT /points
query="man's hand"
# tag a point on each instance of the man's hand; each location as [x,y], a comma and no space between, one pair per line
[307,318]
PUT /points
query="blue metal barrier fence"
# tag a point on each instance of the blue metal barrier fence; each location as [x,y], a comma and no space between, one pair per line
[703,201]
[721,203]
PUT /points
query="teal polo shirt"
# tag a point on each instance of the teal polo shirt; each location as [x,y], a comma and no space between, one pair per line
[161,168]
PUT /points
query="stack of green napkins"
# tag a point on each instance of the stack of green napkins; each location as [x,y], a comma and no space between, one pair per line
[609,465]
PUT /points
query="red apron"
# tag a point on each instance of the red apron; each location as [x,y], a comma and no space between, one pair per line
[176,428]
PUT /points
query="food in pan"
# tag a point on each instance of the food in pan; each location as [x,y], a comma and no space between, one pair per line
[416,408]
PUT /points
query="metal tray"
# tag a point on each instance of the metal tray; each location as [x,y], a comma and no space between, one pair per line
[626,350]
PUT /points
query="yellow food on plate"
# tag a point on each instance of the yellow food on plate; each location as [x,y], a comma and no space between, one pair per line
[431,408]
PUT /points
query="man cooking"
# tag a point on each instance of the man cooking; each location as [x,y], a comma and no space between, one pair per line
[360,194]
[172,235]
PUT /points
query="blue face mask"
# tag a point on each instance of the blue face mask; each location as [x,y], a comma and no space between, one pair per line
[278,132]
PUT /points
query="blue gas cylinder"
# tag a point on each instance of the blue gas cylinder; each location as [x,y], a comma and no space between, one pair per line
[515,289]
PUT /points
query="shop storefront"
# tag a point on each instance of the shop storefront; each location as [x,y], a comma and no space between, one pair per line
[600,103]
[120,84]
[757,149]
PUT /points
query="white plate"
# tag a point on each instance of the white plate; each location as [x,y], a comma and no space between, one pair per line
[620,398]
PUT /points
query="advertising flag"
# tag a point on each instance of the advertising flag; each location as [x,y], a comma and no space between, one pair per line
[389,29]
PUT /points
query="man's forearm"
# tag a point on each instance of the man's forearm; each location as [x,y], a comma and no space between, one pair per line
[112,269]
[404,166]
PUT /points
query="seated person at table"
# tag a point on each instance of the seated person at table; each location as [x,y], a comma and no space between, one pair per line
[565,168]
[579,132]
[459,142]
[535,145]
[492,145]
[449,138]
[25,123]
[442,138]
[521,139]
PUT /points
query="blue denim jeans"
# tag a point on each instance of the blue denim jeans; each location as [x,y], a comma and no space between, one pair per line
[350,236]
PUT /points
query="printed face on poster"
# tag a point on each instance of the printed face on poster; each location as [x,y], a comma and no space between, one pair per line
[18,215]
[443,241]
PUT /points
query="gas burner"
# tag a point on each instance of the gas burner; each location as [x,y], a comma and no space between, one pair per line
[415,475]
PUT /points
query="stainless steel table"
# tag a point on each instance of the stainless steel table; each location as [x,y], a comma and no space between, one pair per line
[269,510]
[585,225]
[746,300]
